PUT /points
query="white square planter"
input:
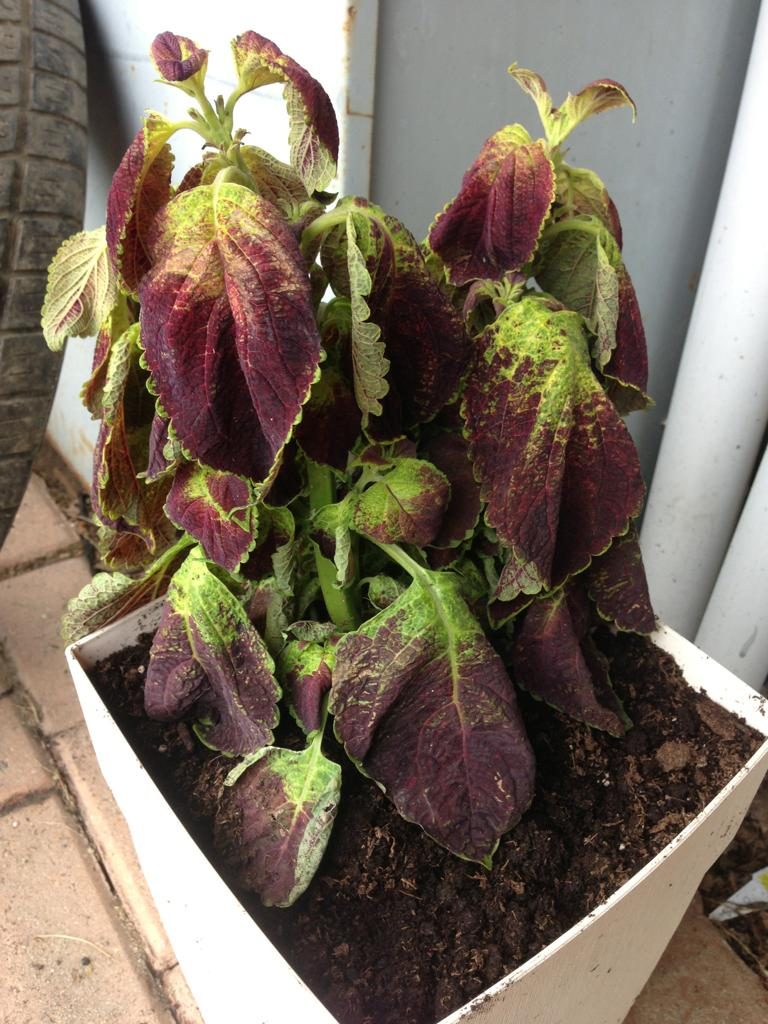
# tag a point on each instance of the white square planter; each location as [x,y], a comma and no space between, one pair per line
[590,975]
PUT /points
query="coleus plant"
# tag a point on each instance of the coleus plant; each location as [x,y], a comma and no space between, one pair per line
[379,483]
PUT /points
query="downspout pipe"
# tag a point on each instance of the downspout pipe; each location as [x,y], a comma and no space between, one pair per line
[734,629]
[719,407]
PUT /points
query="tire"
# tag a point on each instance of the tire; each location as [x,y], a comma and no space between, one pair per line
[43,118]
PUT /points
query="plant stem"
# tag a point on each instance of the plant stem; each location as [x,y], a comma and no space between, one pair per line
[403,559]
[341,602]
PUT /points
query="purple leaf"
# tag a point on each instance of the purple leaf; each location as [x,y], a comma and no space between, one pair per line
[314,133]
[207,625]
[140,188]
[423,703]
[216,509]
[228,328]
[330,422]
[450,453]
[627,370]
[176,57]
[425,342]
[406,505]
[164,451]
[175,680]
[274,824]
[120,499]
[556,463]
[494,223]
[548,661]
[305,671]
[616,583]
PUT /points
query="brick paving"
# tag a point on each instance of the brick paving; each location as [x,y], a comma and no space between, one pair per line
[81,941]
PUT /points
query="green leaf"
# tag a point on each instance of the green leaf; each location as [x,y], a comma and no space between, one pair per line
[81,289]
[604,94]
[274,824]
[423,704]
[582,193]
[576,265]
[369,362]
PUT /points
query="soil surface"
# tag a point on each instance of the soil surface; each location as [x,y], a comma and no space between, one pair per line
[395,930]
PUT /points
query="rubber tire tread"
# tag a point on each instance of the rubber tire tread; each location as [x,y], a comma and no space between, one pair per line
[43,150]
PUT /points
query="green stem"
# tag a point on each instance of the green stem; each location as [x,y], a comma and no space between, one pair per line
[321,225]
[417,572]
[342,603]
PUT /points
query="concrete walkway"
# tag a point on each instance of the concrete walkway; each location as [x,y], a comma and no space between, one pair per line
[81,941]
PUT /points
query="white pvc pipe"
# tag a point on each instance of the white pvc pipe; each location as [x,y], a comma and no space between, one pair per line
[719,407]
[734,630]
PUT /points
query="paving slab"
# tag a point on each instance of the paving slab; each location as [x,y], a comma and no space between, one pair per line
[7,680]
[109,834]
[31,606]
[64,956]
[39,529]
[181,1000]
[24,767]
[699,980]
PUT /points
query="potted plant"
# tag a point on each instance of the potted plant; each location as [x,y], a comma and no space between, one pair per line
[376,481]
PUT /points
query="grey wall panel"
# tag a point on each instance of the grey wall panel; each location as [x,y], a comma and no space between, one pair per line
[442,88]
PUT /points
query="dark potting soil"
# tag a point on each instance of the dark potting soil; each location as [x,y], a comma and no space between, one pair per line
[395,930]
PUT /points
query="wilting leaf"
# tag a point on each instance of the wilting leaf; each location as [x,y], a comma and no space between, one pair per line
[536,88]
[274,824]
[406,506]
[176,57]
[627,370]
[314,134]
[109,597]
[92,391]
[121,500]
[228,328]
[582,193]
[494,223]
[164,450]
[616,583]
[425,342]
[548,661]
[217,509]
[369,362]
[330,530]
[205,635]
[81,289]
[141,186]
[422,701]
[577,267]
[305,672]
[556,463]
[330,422]
[450,453]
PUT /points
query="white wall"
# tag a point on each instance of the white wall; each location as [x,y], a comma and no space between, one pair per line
[442,89]
[337,47]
